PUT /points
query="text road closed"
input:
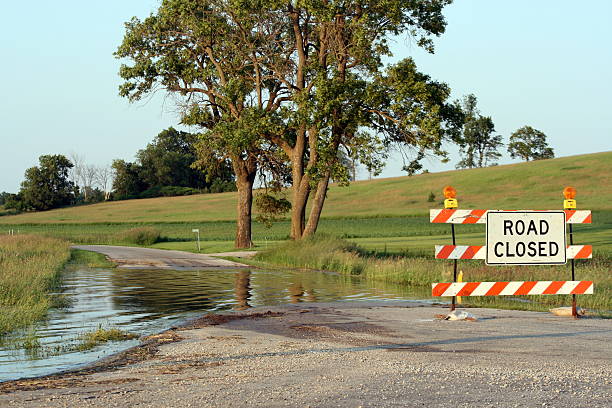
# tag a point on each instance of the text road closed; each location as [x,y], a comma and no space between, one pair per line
[526,237]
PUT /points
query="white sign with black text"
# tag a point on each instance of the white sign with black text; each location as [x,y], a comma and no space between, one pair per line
[526,238]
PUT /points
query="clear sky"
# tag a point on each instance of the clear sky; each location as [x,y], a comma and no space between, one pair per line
[543,63]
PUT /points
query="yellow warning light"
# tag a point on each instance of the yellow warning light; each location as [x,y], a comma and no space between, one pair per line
[569,203]
[569,193]
[450,193]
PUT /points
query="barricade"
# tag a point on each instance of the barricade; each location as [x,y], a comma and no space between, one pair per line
[512,239]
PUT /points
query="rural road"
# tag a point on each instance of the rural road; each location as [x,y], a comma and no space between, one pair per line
[148,258]
[351,354]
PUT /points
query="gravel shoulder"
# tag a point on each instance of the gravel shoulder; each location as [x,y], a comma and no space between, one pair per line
[149,258]
[351,355]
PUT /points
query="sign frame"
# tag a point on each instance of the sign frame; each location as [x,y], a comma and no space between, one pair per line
[522,262]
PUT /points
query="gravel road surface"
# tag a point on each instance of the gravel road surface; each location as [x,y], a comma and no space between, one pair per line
[393,354]
[148,258]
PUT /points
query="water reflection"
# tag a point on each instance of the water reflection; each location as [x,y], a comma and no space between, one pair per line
[242,289]
[148,301]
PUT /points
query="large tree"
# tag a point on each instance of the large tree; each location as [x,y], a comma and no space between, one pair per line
[479,145]
[293,81]
[342,96]
[206,54]
[47,185]
[529,144]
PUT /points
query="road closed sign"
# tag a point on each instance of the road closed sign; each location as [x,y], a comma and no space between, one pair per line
[526,238]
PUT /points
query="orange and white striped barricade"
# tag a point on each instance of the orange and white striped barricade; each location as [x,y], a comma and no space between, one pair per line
[515,237]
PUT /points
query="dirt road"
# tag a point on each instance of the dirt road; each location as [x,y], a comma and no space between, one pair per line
[148,258]
[351,355]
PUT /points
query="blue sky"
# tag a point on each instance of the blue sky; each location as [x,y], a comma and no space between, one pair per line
[541,63]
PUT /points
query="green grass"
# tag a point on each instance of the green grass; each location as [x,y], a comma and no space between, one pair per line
[89,340]
[30,268]
[90,259]
[399,235]
[329,253]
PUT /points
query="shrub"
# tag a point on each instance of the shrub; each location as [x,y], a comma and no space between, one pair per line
[141,236]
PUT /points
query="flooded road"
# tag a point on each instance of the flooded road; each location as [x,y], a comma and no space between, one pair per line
[148,301]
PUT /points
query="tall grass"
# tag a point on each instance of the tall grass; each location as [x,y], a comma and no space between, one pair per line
[332,254]
[30,268]
[140,236]
[325,252]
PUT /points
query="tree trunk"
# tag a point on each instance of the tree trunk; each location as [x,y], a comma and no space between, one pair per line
[317,206]
[301,187]
[245,171]
[298,208]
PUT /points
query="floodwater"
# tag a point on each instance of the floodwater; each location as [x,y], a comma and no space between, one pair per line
[148,301]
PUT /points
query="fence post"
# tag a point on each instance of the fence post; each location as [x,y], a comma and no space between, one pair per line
[450,202]
[570,204]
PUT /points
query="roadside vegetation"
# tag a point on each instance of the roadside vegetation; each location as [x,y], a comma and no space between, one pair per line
[90,259]
[101,335]
[333,254]
[30,269]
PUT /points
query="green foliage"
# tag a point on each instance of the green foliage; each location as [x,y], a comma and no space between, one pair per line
[45,186]
[14,202]
[478,144]
[127,182]
[140,236]
[4,196]
[431,198]
[167,167]
[270,208]
[168,161]
[528,143]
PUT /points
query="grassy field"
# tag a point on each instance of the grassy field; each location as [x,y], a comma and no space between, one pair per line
[400,235]
[29,270]
[385,217]
[535,185]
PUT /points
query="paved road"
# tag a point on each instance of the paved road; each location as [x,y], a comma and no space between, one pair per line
[147,258]
[355,355]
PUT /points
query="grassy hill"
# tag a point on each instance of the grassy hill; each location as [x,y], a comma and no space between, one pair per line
[531,185]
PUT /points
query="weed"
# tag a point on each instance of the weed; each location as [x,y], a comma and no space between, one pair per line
[89,340]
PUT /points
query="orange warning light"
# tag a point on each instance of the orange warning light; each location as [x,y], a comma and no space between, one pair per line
[569,193]
[449,192]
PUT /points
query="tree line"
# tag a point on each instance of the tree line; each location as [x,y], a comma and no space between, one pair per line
[166,167]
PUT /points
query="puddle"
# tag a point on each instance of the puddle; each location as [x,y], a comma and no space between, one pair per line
[148,301]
